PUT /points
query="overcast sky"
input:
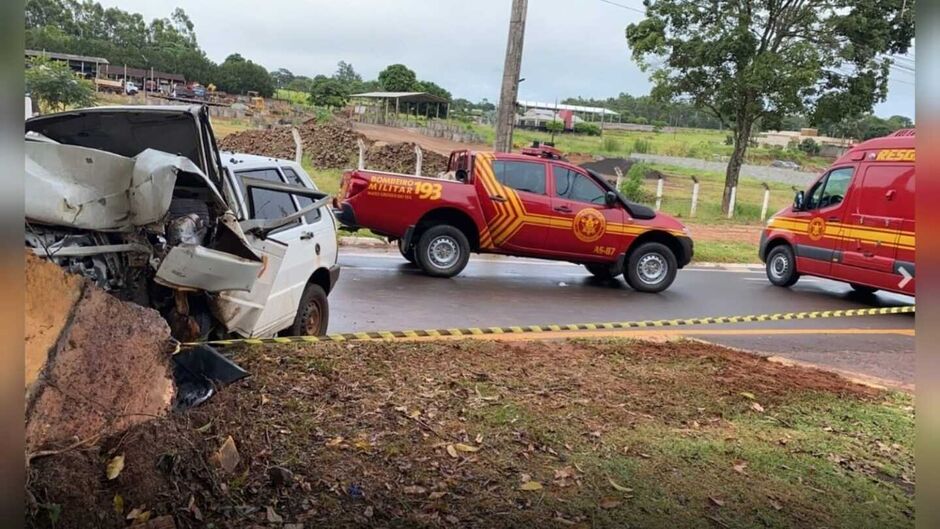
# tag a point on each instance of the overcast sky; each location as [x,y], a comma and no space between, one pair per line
[572,47]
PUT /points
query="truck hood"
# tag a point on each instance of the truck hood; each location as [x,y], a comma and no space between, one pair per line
[130,130]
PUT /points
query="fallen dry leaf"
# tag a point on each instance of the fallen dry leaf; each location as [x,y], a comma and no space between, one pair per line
[451,451]
[368,512]
[621,488]
[273,516]
[264,399]
[776,505]
[757,407]
[436,495]
[748,395]
[227,456]
[336,441]
[118,502]
[716,501]
[115,466]
[466,448]
[609,503]
[414,489]
[531,485]
[739,467]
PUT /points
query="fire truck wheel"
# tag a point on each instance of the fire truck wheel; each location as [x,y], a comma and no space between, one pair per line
[602,271]
[408,253]
[863,289]
[442,251]
[781,266]
[651,267]
[313,314]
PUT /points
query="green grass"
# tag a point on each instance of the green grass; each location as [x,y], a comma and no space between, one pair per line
[295,97]
[725,252]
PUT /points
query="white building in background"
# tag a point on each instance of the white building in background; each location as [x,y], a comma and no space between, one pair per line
[828,146]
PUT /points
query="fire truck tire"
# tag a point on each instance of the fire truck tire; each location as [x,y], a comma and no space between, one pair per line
[781,266]
[651,267]
[442,251]
[602,271]
[408,253]
[313,314]
[863,289]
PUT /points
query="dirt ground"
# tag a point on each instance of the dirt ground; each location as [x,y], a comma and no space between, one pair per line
[397,135]
[489,434]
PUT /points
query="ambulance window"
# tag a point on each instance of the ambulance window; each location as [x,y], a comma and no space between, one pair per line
[521,176]
[571,185]
[831,190]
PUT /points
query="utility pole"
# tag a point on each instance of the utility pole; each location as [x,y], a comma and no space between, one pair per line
[506,114]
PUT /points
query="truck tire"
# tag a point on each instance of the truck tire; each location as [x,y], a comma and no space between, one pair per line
[781,266]
[313,313]
[408,253]
[651,267]
[863,289]
[442,251]
[602,270]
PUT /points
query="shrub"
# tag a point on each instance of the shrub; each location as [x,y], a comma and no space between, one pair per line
[555,126]
[641,146]
[587,128]
[610,145]
[809,146]
[640,120]
[659,123]
[632,185]
[729,140]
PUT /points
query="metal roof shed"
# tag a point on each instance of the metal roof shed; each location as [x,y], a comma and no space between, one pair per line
[414,98]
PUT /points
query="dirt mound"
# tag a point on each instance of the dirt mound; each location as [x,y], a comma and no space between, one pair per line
[607,166]
[99,366]
[276,142]
[401,158]
[330,145]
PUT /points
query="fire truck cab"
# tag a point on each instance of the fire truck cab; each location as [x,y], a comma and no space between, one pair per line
[854,224]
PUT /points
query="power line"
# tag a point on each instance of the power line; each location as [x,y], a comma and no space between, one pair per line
[629,8]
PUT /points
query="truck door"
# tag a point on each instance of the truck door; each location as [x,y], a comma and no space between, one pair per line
[515,202]
[822,215]
[289,253]
[579,201]
[873,218]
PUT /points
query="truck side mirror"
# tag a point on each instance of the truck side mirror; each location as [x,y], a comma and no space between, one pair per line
[798,201]
[610,198]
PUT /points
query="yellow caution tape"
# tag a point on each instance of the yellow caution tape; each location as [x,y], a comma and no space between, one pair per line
[471,331]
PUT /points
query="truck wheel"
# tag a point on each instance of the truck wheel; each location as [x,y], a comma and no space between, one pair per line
[408,253]
[442,251]
[602,271]
[781,266]
[863,289]
[313,314]
[651,267]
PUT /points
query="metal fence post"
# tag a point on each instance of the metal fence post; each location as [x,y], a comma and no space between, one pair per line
[418,159]
[619,174]
[694,196]
[298,145]
[763,208]
[734,191]
[362,154]
[659,192]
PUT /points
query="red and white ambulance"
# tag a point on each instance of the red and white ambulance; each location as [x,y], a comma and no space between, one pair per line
[854,224]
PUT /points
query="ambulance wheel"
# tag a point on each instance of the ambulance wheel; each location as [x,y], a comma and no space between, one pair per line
[602,271]
[781,266]
[408,253]
[651,267]
[863,289]
[442,251]
[313,314]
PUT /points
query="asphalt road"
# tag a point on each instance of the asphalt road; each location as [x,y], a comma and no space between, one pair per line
[379,290]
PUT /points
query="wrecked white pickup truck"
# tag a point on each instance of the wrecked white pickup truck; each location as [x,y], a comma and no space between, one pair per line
[140,201]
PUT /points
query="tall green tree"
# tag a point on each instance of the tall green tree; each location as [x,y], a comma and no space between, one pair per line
[328,92]
[238,75]
[398,78]
[750,60]
[56,87]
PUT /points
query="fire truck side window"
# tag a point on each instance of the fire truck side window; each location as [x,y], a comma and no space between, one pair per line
[831,190]
[574,186]
[521,176]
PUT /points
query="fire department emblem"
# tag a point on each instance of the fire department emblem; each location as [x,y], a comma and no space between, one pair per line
[817,228]
[589,225]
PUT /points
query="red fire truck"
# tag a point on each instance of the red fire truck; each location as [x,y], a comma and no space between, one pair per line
[854,224]
[533,204]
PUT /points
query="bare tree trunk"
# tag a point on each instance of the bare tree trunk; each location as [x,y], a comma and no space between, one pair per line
[742,134]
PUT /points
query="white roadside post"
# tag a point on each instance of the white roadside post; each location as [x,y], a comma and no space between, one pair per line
[734,190]
[419,157]
[298,145]
[619,174]
[694,196]
[763,208]
[659,192]
[362,154]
